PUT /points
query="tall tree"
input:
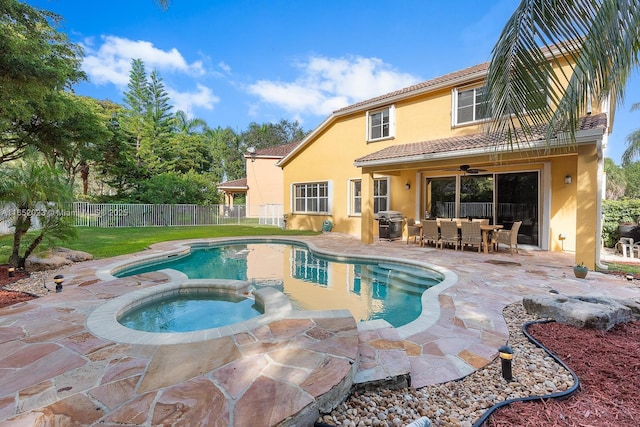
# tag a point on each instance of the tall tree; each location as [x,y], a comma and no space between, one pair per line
[632,178]
[632,151]
[272,134]
[183,124]
[38,65]
[602,38]
[227,150]
[137,100]
[616,180]
[117,167]
[159,107]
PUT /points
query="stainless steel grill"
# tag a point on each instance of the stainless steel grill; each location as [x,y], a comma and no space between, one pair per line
[390,225]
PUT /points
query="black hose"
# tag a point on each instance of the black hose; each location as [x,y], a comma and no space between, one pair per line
[558,395]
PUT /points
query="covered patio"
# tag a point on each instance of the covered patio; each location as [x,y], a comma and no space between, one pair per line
[553,189]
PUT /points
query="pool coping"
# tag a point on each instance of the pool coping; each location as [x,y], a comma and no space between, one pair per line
[103,321]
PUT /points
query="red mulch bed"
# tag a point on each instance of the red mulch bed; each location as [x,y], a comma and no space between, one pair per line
[11,297]
[608,366]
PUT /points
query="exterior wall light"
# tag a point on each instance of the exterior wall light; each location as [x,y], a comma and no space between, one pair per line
[58,281]
[506,355]
[567,179]
[11,271]
[407,186]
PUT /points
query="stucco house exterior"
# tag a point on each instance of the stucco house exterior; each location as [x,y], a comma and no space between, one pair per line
[422,151]
[264,183]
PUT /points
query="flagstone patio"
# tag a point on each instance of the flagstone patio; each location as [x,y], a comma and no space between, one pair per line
[55,371]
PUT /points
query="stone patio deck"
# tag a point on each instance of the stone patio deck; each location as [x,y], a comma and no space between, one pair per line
[54,371]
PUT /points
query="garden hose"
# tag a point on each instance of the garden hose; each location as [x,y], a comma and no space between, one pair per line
[558,395]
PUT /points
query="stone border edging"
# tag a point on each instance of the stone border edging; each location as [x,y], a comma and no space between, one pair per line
[558,395]
[103,321]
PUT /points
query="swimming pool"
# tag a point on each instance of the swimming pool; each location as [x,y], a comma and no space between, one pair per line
[368,289]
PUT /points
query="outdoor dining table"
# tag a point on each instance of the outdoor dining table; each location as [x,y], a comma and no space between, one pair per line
[485,228]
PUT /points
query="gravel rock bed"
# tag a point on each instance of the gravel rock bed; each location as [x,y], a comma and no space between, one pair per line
[462,402]
[38,283]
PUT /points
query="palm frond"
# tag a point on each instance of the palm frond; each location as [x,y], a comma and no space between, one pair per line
[558,55]
[633,148]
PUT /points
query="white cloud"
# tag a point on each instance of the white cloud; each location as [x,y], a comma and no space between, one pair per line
[327,84]
[225,67]
[203,97]
[110,61]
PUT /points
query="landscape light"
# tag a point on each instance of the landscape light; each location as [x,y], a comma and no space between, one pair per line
[58,281]
[506,355]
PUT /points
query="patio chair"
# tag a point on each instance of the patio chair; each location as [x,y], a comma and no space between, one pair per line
[507,237]
[430,232]
[471,234]
[626,246]
[413,230]
[449,234]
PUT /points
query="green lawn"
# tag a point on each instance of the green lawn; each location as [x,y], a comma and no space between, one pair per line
[108,242]
[626,268]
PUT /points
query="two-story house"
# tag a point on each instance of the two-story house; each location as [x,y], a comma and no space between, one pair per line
[422,151]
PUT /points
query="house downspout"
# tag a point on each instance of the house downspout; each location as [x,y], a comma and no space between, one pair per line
[599,153]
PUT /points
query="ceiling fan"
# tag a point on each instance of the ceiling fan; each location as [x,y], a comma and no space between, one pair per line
[468,170]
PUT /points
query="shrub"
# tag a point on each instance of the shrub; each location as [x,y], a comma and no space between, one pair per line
[616,212]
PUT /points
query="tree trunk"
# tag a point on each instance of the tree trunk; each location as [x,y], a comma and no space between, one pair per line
[84,173]
[21,226]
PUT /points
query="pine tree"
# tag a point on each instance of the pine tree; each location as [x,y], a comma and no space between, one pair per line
[137,101]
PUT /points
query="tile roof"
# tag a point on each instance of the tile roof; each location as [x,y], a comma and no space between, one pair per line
[456,77]
[480,69]
[481,140]
[278,151]
[236,183]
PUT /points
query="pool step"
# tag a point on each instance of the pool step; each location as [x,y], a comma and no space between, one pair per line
[398,279]
[413,271]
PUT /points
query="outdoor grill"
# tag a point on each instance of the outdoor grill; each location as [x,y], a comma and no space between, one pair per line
[390,225]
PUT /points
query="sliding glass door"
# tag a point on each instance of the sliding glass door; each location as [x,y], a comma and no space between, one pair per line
[441,197]
[476,196]
[501,198]
[517,198]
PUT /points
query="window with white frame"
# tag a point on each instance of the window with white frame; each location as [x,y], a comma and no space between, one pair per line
[355,202]
[469,105]
[311,197]
[381,123]
[380,195]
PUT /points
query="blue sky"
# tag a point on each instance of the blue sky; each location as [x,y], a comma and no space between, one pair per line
[236,62]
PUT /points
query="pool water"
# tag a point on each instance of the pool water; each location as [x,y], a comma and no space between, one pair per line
[185,313]
[370,290]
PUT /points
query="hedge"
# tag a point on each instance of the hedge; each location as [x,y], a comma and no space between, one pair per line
[616,212]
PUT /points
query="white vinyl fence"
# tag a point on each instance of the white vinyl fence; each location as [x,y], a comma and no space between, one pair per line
[146,215]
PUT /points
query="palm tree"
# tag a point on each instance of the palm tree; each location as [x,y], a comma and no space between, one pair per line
[182,123]
[601,38]
[633,143]
[35,190]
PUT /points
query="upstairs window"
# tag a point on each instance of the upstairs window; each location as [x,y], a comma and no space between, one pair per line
[381,124]
[469,105]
